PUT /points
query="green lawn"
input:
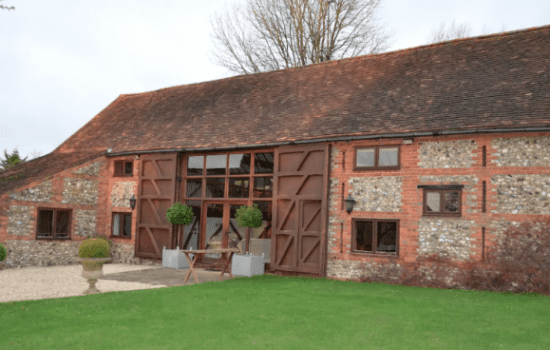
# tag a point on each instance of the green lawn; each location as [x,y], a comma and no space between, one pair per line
[273,312]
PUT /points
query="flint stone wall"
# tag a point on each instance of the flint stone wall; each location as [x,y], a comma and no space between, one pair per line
[522,194]
[469,194]
[446,237]
[377,193]
[522,151]
[85,222]
[447,154]
[44,253]
[80,191]
[388,272]
[92,169]
[40,193]
[122,192]
[20,220]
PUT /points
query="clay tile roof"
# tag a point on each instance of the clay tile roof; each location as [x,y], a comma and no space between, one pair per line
[25,173]
[492,81]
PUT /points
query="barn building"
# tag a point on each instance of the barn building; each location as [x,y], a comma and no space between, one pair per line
[441,147]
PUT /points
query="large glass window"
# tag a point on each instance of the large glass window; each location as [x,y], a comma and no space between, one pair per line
[122,225]
[442,202]
[377,157]
[53,223]
[375,236]
[215,187]
[263,187]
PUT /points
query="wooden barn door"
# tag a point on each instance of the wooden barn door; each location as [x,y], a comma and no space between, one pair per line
[300,209]
[156,193]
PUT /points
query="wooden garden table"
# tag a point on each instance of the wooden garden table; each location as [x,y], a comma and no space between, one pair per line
[222,251]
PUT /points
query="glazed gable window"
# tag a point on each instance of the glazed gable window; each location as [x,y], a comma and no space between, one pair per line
[442,200]
[377,158]
[377,236]
[124,168]
[122,225]
[53,223]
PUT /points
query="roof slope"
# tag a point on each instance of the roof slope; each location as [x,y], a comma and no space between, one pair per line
[25,173]
[493,81]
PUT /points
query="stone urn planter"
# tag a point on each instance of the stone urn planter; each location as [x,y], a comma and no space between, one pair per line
[92,270]
[93,253]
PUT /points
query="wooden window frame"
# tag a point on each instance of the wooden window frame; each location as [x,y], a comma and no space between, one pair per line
[121,225]
[354,250]
[442,189]
[376,158]
[54,224]
[251,176]
[116,173]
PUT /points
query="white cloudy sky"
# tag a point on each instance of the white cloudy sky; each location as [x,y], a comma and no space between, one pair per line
[63,61]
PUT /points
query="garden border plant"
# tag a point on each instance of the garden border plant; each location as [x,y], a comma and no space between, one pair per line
[518,261]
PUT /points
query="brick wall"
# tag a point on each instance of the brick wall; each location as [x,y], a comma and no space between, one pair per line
[91,192]
[517,177]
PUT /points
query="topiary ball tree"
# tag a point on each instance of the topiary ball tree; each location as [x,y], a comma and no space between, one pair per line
[249,217]
[93,248]
[3,252]
[179,214]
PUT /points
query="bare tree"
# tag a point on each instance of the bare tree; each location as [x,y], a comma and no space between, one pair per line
[277,34]
[35,154]
[454,32]
[7,7]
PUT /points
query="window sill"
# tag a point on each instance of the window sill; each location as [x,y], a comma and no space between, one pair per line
[125,237]
[377,169]
[442,215]
[358,252]
[53,239]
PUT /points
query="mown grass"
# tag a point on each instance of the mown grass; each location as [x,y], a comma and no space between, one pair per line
[273,312]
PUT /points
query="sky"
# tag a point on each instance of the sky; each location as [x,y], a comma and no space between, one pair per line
[63,61]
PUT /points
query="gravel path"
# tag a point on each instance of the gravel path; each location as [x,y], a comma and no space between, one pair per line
[32,283]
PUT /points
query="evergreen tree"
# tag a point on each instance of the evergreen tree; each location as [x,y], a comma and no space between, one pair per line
[11,159]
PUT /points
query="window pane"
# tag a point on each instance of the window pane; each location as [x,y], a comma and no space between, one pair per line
[194,165]
[128,168]
[433,201]
[236,232]
[118,167]
[214,227]
[45,222]
[190,239]
[264,231]
[128,225]
[239,187]
[388,157]
[263,163]
[365,157]
[215,187]
[263,187]
[215,165]
[116,225]
[387,236]
[363,236]
[62,223]
[194,188]
[239,164]
[451,201]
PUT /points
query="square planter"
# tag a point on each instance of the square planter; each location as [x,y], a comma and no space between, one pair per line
[174,259]
[247,265]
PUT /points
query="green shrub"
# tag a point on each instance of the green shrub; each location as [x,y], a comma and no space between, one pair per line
[3,252]
[93,248]
[179,214]
[104,238]
[249,216]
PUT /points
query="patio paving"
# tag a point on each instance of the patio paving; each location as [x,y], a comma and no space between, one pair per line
[165,276]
